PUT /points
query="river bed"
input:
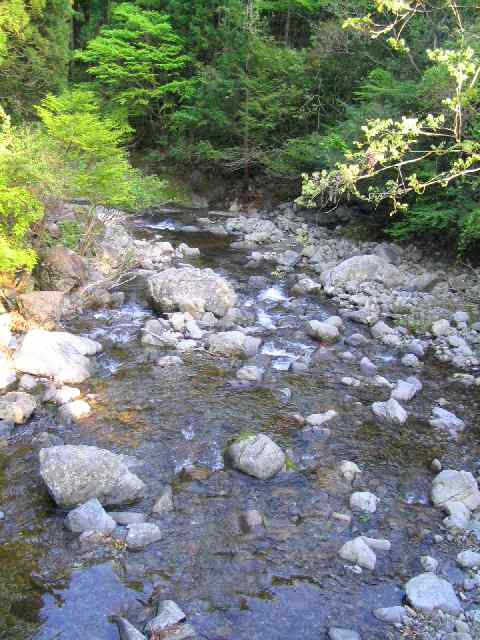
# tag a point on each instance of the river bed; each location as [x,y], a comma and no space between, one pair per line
[284,582]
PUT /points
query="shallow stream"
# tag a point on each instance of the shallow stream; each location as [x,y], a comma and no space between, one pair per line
[285,582]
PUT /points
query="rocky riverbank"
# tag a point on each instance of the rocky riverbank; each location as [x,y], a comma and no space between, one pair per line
[249,394]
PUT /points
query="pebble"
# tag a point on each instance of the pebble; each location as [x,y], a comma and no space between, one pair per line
[349,470]
[164,502]
[429,564]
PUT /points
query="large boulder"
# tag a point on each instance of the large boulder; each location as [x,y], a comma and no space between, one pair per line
[190,289]
[455,486]
[62,269]
[361,269]
[428,593]
[258,456]
[56,354]
[43,308]
[76,473]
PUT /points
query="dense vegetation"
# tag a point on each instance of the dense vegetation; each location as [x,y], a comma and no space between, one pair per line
[375,100]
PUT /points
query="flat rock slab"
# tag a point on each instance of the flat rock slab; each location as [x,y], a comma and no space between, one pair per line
[74,474]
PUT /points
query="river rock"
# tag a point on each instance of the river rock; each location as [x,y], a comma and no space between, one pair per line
[174,289]
[164,502]
[61,269]
[363,501]
[429,564]
[250,520]
[356,340]
[257,456]
[455,486]
[74,411]
[157,334]
[141,534]
[367,367]
[7,375]
[377,544]
[90,516]
[17,407]
[61,396]
[42,308]
[469,559]
[441,328]
[125,518]
[349,470]
[428,593]
[233,343]
[443,419]
[358,552]
[250,374]
[75,473]
[411,360]
[317,419]
[322,331]
[390,411]
[305,286]
[358,269]
[168,615]
[56,354]
[336,633]
[459,515]
[126,630]
[392,615]
[406,390]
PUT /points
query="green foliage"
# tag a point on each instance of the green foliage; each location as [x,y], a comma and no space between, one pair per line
[75,152]
[34,52]
[94,160]
[136,62]
[411,161]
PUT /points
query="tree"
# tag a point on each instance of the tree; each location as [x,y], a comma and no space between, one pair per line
[34,52]
[401,159]
[136,63]
[75,151]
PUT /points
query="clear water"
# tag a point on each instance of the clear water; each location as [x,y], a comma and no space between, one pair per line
[283,583]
